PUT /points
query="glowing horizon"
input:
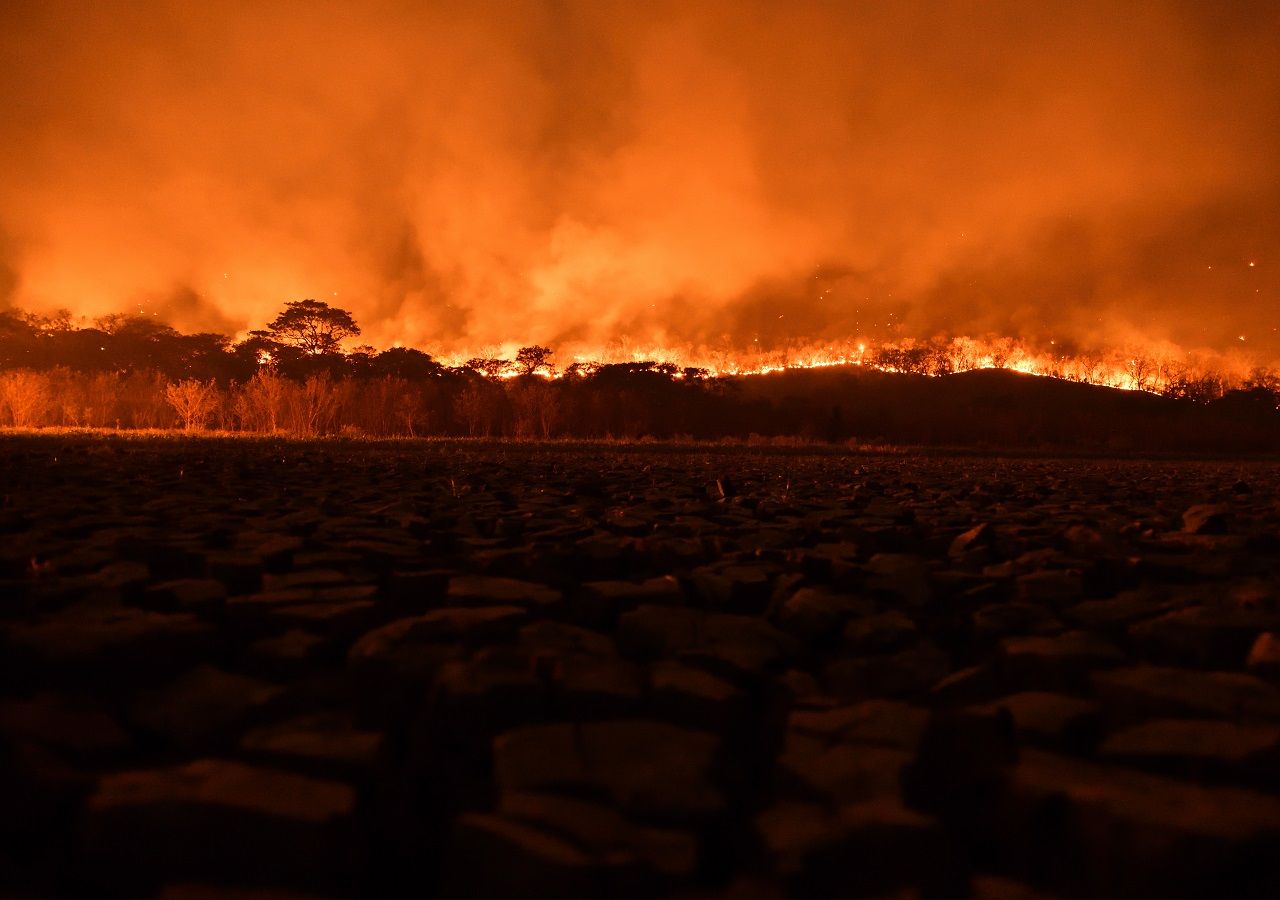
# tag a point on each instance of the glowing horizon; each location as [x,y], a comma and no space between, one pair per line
[584,174]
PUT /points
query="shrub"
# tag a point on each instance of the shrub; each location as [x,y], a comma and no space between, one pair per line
[24,398]
[194,401]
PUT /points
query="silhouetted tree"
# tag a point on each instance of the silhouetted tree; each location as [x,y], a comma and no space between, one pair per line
[478,406]
[405,362]
[313,326]
[531,359]
[488,367]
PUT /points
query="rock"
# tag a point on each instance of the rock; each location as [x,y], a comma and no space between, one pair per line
[192,891]
[477,698]
[1000,619]
[204,705]
[971,684]
[979,536]
[548,638]
[1198,747]
[194,595]
[1144,692]
[128,578]
[410,650]
[339,612]
[75,727]
[961,759]
[535,863]
[841,772]
[313,579]
[596,686]
[900,578]
[1083,539]
[889,511]
[819,615]
[721,489]
[880,633]
[599,603]
[115,644]
[481,590]
[1061,662]
[1056,588]
[737,644]
[643,768]
[240,573]
[326,745]
[829,562]
[882,722]
[1123,833]
[1206,518]
[861,849]
[989,887]
[1264,655]
[901,674]
[416,591]
[1116,614]
[734,588]
[1044,718]
[1206,636]
[277,551]
[607,835]
[603,555]
[288,654]
[688,696]
[41,795]
[221,820]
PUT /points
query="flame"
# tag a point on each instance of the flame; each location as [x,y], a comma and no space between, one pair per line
[1153,369]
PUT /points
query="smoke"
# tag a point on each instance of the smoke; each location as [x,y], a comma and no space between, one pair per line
[728,173]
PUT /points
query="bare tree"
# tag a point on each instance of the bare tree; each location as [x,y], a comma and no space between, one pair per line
[475,407]
[535,408]
[194,401]
[259,403]
[1000,352]
[24,397]
[313,405]
[1141,371]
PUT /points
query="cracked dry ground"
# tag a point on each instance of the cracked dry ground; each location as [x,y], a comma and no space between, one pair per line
[490,670]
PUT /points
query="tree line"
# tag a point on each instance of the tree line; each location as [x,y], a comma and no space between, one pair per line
[294,377]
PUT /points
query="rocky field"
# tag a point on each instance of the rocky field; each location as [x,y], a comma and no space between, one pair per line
[239,668]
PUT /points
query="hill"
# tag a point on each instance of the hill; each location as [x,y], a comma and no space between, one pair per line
[997,407]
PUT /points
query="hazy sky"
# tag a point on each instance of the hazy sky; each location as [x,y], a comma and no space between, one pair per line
[468,173]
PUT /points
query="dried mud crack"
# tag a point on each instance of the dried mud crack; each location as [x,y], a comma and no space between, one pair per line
[468,669]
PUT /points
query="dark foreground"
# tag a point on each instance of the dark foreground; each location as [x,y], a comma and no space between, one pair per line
[488,670]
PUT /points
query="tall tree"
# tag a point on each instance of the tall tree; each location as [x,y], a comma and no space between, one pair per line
[313,326]
[531,359]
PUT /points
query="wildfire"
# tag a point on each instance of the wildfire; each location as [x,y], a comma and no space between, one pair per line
[1162,368]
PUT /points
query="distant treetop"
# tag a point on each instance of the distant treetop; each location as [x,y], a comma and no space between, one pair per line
[313,326]
[531,359]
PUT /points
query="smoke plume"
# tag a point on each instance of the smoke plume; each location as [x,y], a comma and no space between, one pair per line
[732,173]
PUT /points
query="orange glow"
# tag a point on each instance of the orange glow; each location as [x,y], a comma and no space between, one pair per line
[1155,368]
[768,186]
